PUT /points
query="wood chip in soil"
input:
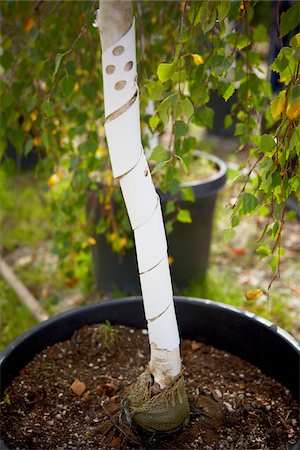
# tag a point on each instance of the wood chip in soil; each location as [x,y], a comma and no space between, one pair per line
[69,397]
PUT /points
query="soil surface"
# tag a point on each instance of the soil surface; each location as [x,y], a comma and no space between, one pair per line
[69,397]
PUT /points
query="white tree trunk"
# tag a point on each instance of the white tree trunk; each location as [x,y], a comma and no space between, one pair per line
[129,166]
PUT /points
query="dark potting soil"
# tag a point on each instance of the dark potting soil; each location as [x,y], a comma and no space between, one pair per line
[69,397]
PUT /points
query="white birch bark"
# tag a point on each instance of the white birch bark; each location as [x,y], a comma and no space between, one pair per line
[129,166]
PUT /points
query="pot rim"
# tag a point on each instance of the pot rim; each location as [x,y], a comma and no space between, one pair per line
[219,178]
[193,300]
[222,169]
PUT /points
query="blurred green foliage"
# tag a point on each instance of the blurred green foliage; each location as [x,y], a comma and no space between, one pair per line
[15,318]
[52,105]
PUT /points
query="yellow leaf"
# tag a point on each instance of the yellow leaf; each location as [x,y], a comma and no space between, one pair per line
[100,152]
[197,59]
[122,242]
[170,260]
[253,294]
[53,180]
[33,116]
[293,108]
[111,237]
[91,240]
[28,25]
[26,126]
[277,105]
[76,87]
[36,141]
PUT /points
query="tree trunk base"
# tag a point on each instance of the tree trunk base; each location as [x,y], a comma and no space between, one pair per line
[166,411]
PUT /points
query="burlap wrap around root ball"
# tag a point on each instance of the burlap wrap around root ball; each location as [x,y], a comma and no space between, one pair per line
[163,412]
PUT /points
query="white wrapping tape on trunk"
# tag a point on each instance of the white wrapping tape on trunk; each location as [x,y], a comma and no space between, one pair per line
[139,192]
[159,330]
[119,72]
[157,289]
[150,241]
[123,136]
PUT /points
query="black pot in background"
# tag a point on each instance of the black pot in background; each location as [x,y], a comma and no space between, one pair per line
[243,334]
[221,109]
[188,244]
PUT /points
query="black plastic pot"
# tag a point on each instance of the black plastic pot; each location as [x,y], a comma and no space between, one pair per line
[254,339]
[189,244]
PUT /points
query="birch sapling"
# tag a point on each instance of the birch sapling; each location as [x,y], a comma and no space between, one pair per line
[158,400]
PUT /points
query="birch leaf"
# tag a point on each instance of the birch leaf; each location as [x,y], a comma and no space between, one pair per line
[253,294]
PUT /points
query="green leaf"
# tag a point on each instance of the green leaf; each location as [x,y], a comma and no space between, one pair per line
[205,117]
[238,40]
[159,166]
[228,121]
[89,91]
[235,220]
[47,109]
[273,263]
[17,88]
[228,234]
[275,229]
[183,164]
[221,64]
[153,122]
[165,71]
[6,60]
[159,154]
[223,9]
[167,102]
[30,103]
[295,41]
[267,144]
[184,216]
[169,226]
[260,34]
[181,129]
[199,93]
[58,59]
[247,203]
[170,207]
[263,251]
[188,194]
[67,85]
[28,146]
[186,107]
[294,92]
[155,90]
[7,99]
[282,60]
[16,137]
[276,179]
[209,19]
[289,19]
[228,91]
[164,117]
